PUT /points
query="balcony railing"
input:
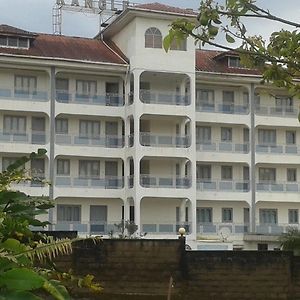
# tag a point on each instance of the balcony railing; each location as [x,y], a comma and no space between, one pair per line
[277,111]
[160,97]
[109,99]
[209,228]
[223,185]
[24,95]
[276,187]
[148,139]
[26,138]
[223,147]
[108,182]
[109,141]
[222,108]
[278,149]
[165,227]
[275,229]
[149,181]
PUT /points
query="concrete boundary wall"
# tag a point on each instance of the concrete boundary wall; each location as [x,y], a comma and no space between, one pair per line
[141,269]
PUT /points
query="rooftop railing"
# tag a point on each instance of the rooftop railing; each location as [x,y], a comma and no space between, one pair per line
[161,97]
[108,182]
[149,181]
[223,185]
[108,99]
[152,140]
[223,147]
[109,141]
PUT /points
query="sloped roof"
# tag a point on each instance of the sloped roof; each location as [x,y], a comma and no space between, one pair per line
[70,48]
[166,8]
[10,30]
[210,61]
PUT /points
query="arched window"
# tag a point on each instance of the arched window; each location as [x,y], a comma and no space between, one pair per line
[153,38]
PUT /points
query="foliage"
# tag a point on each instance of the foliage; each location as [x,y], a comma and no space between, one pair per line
[126,229]
[278,58]
[290,241]
[20,278]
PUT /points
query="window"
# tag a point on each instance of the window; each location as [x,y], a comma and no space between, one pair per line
[257,100]
[14,124]
[293,216]
[38,168]
[63,167]
[290,137]
[62,84]
[14,42]
[112,88]
[291,175]
[61,126]
[228,101]
[262,247]
[204,172]
[284,103]
[25,84]
[86,87]
[204,215]
[246,99]
[206,98]
[234,62]
[153,38]
[246,136]
[178,45]
[267,175]
[226,134]
[89,168]
[268,216]
[68,213]
[7,161]
[203,134]
[226,172]
[227,215]
[90,129]
[267,136]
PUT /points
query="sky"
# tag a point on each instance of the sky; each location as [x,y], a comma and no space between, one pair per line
[36,15]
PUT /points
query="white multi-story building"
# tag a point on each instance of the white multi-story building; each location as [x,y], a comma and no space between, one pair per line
[185,138]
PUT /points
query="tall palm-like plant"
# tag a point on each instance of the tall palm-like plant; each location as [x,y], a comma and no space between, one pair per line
[290,241]
[20,278]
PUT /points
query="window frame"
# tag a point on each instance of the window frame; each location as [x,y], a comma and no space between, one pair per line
[265,211]
[71,219]
[201,212]
[293,216]
[225,211]
[153,38]
[224,170]
[65,170]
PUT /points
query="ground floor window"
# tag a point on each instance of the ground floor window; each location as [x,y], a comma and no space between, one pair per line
[68,213]
[204,215]
[268,216]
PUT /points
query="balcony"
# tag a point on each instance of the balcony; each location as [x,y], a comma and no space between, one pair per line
[108,182]
[109,99]
[222,108]
[277,111]
[278,149]
[24,95]
[223,147]
[151,140]
[275,229]
[165,228]
[223,185]
[219,228]
[23,138]
[166,98]
[278,187]
[148,181]
[108,141]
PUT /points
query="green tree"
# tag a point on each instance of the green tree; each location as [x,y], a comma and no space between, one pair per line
[290,241]
[278,57]
[20,249]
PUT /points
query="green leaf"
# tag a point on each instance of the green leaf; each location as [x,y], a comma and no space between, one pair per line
[13,245]
[54,288]
[229,38]
[21,279]
[167,42]
[20,295]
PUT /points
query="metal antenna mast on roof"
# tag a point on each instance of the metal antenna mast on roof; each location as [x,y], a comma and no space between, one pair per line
[106,9]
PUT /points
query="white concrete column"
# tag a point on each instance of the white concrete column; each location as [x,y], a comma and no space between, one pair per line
[182,208]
